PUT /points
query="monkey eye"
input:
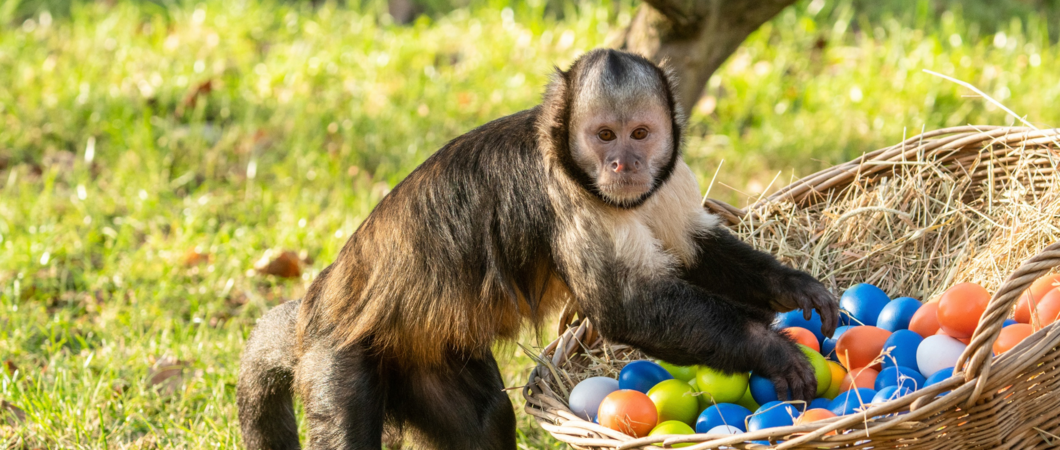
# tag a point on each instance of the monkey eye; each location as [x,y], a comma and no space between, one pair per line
[639,134]
[606,135]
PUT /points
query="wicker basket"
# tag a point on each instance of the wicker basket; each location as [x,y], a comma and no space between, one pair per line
[1010,401]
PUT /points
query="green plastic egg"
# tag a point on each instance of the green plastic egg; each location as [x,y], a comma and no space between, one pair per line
[723,388]
[820,368]
[683,373]
[674,401]
[672,427]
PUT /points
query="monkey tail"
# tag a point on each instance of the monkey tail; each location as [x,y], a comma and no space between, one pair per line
[266,375]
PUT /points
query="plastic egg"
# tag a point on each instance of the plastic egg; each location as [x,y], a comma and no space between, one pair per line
[864,377]
[1033,296]
[722,414]
[585,398]
[838,374]
[748,401]
[813,415]
[850,401]
[725,429]
[904,377]
[1049,308]
[819,403]
[941,375]
[674,401]
[628,411]
[901,349]
[702,399]
[673,427]
[820,369]
[1008,322]
[802,336]
[936,353]
[890,393]
[641,376]
[860,346]
[960,308]
[772,415]
[828,344]
[897,314]
[864,303]
[683,373]
[794,319]
[762,389]
[925,322]
[1011,336]
[721,387]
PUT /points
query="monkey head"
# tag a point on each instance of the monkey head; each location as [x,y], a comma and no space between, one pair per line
[614,126]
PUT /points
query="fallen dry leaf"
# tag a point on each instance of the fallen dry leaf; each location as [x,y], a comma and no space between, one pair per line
[167,374]
[286,264]
[194,257]
[9,413]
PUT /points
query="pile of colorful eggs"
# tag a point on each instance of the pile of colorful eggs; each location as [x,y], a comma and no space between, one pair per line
[885,349]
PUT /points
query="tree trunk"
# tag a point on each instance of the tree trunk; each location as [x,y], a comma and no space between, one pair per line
[695,36]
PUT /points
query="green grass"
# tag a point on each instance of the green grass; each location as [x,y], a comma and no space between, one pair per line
[110,175]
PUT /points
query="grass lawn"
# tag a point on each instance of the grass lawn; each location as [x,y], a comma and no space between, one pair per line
[151,153]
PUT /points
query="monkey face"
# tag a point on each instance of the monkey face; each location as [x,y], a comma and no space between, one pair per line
[623,152]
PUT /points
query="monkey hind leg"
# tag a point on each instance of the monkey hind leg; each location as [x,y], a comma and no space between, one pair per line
[461,408]
[266,374]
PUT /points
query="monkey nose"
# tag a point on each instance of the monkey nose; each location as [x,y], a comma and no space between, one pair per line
[617,166]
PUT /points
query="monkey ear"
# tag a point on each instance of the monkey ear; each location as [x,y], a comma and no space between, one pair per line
[672,82]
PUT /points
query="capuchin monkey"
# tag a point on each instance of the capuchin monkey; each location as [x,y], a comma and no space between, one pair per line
[584,197]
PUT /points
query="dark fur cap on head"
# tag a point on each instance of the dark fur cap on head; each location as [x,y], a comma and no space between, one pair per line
[616,69]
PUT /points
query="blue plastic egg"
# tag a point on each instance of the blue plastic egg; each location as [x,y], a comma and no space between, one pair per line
[819,403]
[1008,322]
[896,315]
[642,376]
[722,414]
[762,389]
[864,303]
[902,346]
[904,377]
[828,344]
[795,319]
[890,393]
[585,398]
[850,401]
[939,376]
[772,415]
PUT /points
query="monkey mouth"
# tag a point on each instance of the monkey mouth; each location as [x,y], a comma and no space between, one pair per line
[626,191]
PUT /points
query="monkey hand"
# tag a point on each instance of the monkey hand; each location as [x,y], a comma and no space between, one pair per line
[799,290]
[789,370]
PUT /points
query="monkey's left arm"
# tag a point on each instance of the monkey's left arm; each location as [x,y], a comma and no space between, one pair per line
[730,267]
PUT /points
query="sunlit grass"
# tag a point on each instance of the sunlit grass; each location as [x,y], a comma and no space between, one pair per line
[132,135]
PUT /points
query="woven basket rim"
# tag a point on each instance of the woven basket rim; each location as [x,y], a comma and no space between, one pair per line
[965,388]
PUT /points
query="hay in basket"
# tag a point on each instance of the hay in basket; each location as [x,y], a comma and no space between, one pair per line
[976,203]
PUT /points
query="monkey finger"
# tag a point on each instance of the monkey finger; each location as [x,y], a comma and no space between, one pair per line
[781,385]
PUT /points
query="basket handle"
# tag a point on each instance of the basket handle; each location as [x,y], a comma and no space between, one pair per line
[979,353]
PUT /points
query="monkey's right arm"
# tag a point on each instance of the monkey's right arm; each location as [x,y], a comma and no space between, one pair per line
[670,319]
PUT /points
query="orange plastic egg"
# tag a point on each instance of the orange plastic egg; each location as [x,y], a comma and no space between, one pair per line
[1033,296]
[813,415]
[1010,336]
[628,411]
[925,321]
[859,346]
[803,336]
[864,377]
[1049,308]
[960,308]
